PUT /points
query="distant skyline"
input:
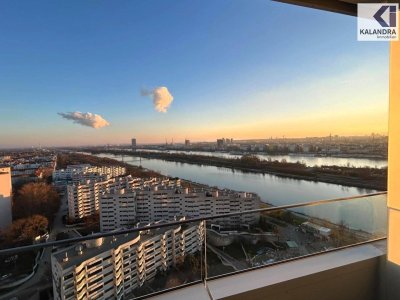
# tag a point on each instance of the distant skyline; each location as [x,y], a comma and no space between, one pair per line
[173,141]
[227,68]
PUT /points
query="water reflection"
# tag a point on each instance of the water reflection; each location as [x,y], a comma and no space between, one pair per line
[309,160]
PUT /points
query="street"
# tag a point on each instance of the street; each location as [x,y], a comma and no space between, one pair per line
[42,278]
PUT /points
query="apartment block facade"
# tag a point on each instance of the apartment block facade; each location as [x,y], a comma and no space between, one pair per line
[117,210]
[124,201]
[83,196]
[84,193]
[112,267]
[75,173]
[151,204]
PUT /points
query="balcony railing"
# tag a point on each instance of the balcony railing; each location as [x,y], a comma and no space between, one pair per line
[222,245]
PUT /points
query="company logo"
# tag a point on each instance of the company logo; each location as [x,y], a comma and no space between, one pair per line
[377,22]
[392,15]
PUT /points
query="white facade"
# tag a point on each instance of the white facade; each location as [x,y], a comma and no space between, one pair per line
[117,210]
[110,268]
[83,199]
[77,172]
[160,203]
[155,203]
[124,201]
[84,194]
[5,197]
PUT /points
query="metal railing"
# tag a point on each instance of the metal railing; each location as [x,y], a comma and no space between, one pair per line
[228,246]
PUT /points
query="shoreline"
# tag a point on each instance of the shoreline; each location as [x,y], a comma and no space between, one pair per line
[291,154]
[285,170]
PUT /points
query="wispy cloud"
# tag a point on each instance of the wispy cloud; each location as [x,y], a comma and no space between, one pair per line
[85,119]
[162,98]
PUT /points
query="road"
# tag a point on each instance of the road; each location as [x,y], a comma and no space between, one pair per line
[42,278]
[227,259]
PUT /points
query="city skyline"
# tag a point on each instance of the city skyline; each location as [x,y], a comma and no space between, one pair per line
[233,75]
[173,141]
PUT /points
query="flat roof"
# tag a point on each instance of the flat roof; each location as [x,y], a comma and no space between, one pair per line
[108,243]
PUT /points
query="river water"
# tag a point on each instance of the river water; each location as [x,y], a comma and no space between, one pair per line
[309,160]
[367,214]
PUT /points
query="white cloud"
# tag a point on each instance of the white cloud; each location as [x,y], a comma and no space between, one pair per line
[85,119]
[162,98]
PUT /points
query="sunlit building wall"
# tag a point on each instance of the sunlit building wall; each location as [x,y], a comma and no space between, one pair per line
[111,267]
[75,173]
[155,203]
[117,210]
[5,197]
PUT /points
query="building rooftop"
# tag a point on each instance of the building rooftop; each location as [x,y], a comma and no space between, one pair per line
[89,249]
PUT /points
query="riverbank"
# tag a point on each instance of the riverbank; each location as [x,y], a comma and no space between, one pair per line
[63,160]
[363,177]
[270,154]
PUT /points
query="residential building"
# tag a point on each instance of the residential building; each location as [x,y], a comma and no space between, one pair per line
[26,167]
[160,202]
[85,190]
[74,173]
[112,267]
[5,197]
[164,203]
[117,210]
[83,195]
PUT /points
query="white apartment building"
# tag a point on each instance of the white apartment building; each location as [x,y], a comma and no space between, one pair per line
[75,173]
[160,203]
[64,176]
[112,267]
[5,197]
[117,210]
[155,203]
[83,199]
[84,192]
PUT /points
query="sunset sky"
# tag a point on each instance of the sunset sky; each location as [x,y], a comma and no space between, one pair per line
[240,69]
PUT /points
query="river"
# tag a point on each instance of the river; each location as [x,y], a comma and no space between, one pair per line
[309,160]
[366,214]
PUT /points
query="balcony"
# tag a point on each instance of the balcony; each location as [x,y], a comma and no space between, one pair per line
[329,249]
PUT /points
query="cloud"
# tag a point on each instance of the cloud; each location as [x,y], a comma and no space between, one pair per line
[85,119]
[162,98]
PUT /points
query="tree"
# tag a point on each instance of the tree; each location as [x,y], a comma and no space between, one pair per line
[250,159]
[24,231]
[36,198]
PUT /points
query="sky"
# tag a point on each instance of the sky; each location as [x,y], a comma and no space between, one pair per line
[198,69]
